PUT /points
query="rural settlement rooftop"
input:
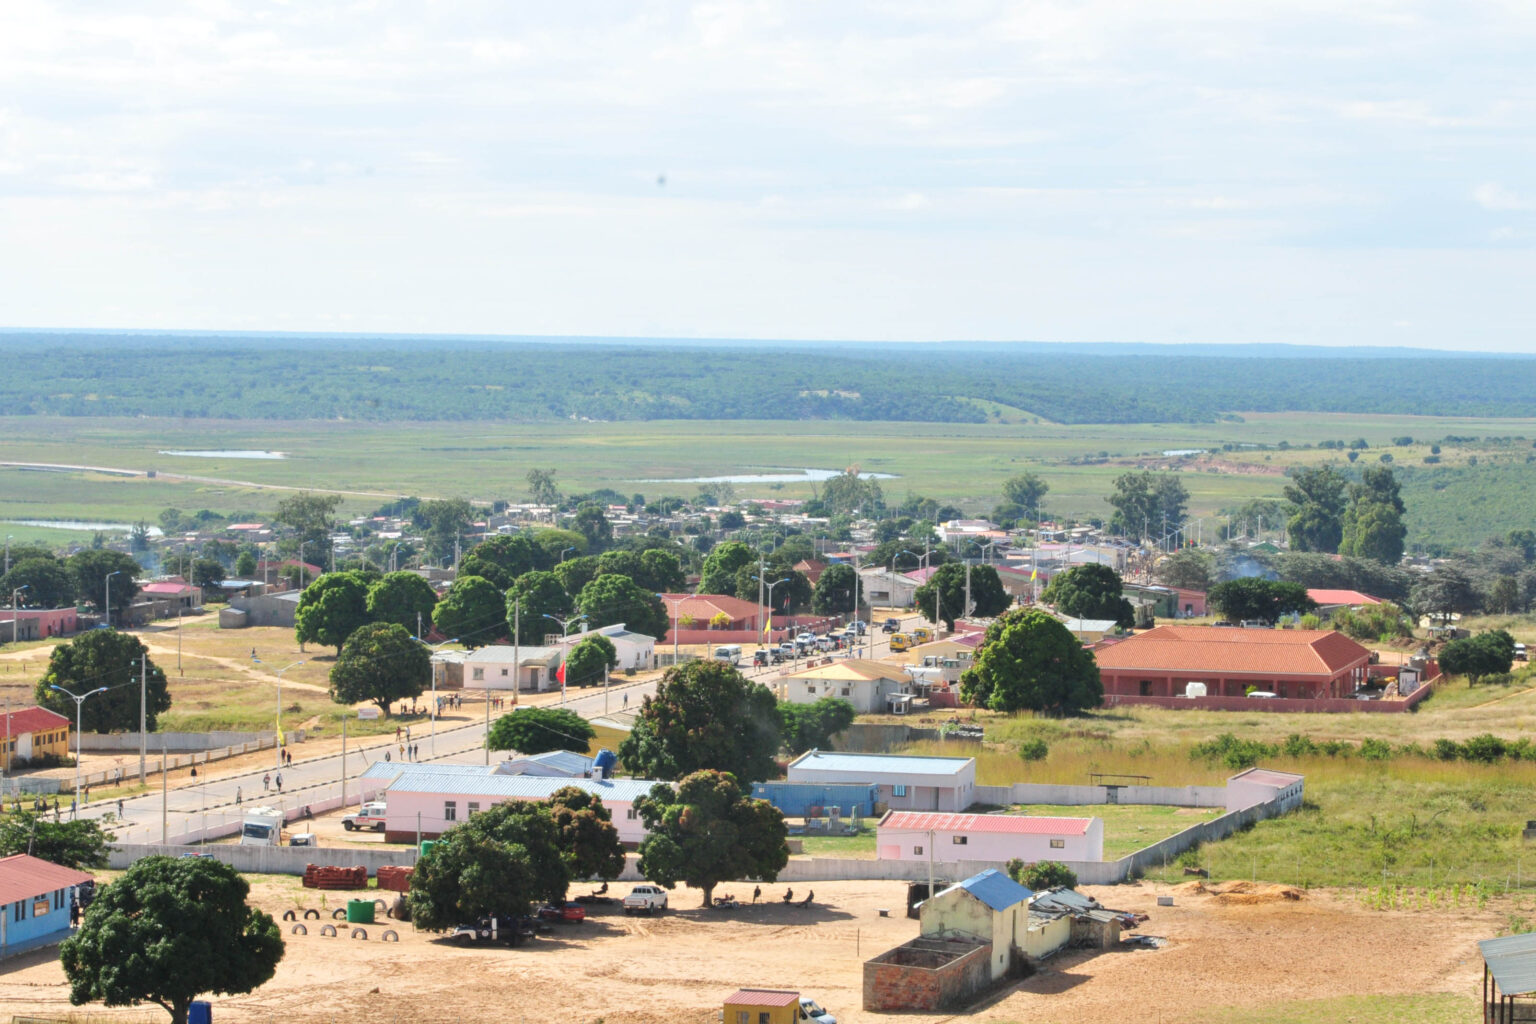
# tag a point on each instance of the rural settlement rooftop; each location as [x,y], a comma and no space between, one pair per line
[519,787]
[849,669]
[1291,652]
[34,719]
[23,877]
[880,764]
[1512,962]
[1012,824]
[995,889]
[764,997]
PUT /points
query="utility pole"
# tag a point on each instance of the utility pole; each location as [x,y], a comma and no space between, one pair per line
[343,762]
[143,685]
[967,589]
[165,775]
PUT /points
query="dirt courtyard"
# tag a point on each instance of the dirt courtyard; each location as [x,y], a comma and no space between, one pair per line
[677,967]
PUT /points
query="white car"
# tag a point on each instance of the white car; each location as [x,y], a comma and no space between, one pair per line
[369,816]
[645,899]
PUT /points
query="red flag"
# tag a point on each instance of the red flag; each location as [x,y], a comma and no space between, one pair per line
[560,673]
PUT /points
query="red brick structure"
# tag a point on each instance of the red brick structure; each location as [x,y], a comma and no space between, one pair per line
[927,974]
[1291,663]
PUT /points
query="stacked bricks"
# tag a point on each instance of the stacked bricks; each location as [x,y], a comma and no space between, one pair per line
[395,879]
[318,876]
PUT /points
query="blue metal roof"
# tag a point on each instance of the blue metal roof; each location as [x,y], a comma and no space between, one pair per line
[562,760]
[880,764]
[519,787]
[994,888]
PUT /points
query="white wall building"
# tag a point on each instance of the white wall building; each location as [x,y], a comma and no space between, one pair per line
[1261,785]
[908,835]
[906,783]
[526,669]
[880,589]
[864,684]
[634,650]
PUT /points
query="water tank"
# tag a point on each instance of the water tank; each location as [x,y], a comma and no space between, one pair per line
[1194,689]
[604,763]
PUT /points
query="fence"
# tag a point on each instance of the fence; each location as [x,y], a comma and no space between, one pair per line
[172,742]
[270,860]
[1039,793]
[1319,705]
[155,763]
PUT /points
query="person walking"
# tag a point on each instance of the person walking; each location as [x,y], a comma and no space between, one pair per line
[279,781]
[119,807]
[757,892]
[239,795]
[266,782]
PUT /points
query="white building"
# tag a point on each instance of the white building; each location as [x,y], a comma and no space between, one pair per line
[1261,785]
[880,589]
[909,835]
[866,685]
[505,667]
[906,782]
[633,650]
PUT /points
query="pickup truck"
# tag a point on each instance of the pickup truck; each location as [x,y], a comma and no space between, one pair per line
[645,899]
[369,816]
[496,928]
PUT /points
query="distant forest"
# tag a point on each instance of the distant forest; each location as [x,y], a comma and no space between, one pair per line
[283,378]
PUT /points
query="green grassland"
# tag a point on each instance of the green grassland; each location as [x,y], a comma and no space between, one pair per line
[956,462]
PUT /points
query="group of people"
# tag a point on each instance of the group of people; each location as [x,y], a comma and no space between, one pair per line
[266,783]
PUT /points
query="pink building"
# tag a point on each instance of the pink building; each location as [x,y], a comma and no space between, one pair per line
[37,623]
[907,835]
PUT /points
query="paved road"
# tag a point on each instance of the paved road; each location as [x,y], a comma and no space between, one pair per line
[211,804]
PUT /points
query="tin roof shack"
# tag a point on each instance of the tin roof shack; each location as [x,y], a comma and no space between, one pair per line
[1261,785]
[1091,925]
[1509,978]
[34,895]
[906,835]
[906,782]
[763,1006]
[988,907]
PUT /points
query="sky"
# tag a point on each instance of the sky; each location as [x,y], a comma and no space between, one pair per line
[1243,171]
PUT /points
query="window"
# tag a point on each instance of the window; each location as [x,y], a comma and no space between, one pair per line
[633,814]
[898,791]
[58,899]
[917,851]
[450,810]
[19,911]
[959,840]
[474,806]
[810,687]
[847,691]
[1058,844]
[503,673]
[765,1018]
[743,1017]
[479,674]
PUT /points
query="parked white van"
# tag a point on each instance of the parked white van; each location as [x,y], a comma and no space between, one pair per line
[729,653]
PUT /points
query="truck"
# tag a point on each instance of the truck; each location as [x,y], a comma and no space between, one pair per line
[645,899]
[263,826]
[369,816]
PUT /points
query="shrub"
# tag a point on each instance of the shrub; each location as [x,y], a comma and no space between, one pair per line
[1335,748]
[1447,750]
[1045,874]
[1235,753]
[1297,745]
[1485,749]
[1373,749]
[1034,749]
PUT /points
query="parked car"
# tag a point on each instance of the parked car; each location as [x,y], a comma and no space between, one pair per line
[1263,695]
[900,642]
[496,928]
[369,816]
[645,899]
[921,635]
[890,625]
[859,626]
[570,913]
[787,649]
[767,656]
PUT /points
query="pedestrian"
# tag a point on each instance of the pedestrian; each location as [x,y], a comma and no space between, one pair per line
[194,771]
[239,796]
[415,751]
[789,894]
[757,891]
[55,811]
[407,734]
[72,808]
[626,700]
[279,781]
[386,755]
[119,807]
[402,751]
[397,734]
[74,912]
[266,782]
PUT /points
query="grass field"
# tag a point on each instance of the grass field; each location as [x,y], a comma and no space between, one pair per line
[960,463]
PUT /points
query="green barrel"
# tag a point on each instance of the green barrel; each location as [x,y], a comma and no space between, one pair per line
[426,846]
[359,911]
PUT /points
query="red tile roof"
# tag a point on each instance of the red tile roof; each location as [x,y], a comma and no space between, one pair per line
[33,719]
[704,607]
[764,997]
[1206,649]
[23,877]
[1349,597]
[1013,824]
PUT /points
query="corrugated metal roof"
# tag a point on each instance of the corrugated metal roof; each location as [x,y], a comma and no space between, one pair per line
[394,769]
[764,997]
[1064,900]
[23,877]
[1512,961]
[520,787]
[1010,824]
[1204,649]
[500,653]
[881,764]
[850,669]
[35,719]
[567,761]
[993,888]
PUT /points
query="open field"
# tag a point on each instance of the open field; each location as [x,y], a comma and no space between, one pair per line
[677,967]
[960,463]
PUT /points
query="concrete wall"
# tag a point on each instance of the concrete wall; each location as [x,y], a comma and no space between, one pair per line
[1039,793]
[270,860]
[873,738]
[175,742]
[997,847]
[1317,705]
[926,974]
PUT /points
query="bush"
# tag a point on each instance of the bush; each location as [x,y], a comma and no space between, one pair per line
[1235,753]
[1297,745]
[1045,874]
[1034,749]
[1485,749]
[1335,748]
[1447,750]
[1375,750]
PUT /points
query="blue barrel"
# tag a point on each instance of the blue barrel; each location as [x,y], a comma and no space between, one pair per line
[201,1012]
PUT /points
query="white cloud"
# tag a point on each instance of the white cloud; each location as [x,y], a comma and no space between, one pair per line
[1492,196]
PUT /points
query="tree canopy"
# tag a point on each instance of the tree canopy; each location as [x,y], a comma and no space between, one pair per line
[1254,597]
[1090,592]
[988,598]
[1446,591]
[1029,661]
[497,862]
[443,522]
[380,663]
[74,844]
[609,600]
[536,730]
[719,573]
[1485,654]
[167,931]
[706,831]
[104,657]
[91,567]
[812,726]
[1148,504]
[1372,526]
[1318,494]
[1026,491]
[584,829]
[592,523]
[834,590]
[43,582]
[588,659]
[536,594]
[1189,568]
[310,517]
[704,715]
[471,612]
[502,559]
[332,608]
[404,598]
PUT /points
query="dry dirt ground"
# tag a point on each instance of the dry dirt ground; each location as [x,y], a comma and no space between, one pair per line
[677,967]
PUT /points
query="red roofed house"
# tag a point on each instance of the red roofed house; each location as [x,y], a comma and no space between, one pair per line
[27,733]
[1297,663]
[907,835]
[705,611]
[811,569]
[1329,601]
[34,902]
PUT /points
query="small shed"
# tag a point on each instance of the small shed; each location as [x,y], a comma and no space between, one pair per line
[34,902]
[762,1006]
[1509,978]
[988,907]
[814,799]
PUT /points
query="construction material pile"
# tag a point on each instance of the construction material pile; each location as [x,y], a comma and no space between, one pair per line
[318,876]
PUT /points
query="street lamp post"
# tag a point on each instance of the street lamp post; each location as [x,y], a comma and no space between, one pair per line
[769,628]
[279,737]
[15,616]
[107,609]
[679,601]
[563,551]
[79,699]
[433,647]
[564,630]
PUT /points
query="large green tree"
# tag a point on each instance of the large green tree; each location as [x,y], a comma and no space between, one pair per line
[167,931]
[1318,495]
[472,612]
[1189,568]
[444,522]
[498,862]
[42,582]
[1029,661]
[707,831]
[332,608]
[661,571]
[584,829]
[609,600]
[535,595]
[834,590]
[1090,592]
[380,662]
[588,659]
[850,492]
[74,844]
[988,598]
[1148,504]
[104,657]
[560,544]
[1373,524]
[1253,597]
[405,599]
[541,487]
[719,575]
[575,573]
[207,572]
[1026,491]
[309,518]
[704,715]
[1445,592]
[592,523]
[91,567]
[535,730]
[812,726]
[1483,655]
[504,558]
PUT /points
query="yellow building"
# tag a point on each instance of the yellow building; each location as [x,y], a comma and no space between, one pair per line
[762,1006]
[29,733]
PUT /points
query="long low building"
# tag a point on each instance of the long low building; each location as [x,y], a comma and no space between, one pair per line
[906,782]
[917,836]
[1304,663]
